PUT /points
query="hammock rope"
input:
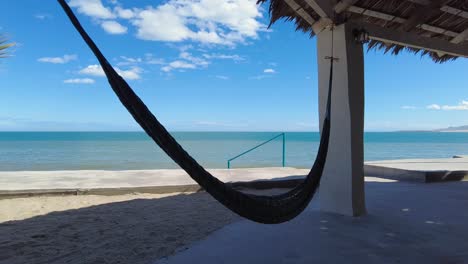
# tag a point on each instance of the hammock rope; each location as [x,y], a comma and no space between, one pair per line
[259,208]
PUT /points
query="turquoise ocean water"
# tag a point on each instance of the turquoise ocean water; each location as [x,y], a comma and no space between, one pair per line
[134,150]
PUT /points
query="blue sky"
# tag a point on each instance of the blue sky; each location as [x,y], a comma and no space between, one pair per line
[199,65]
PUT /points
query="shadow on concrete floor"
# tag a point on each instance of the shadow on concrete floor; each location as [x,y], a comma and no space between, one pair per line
[407,223]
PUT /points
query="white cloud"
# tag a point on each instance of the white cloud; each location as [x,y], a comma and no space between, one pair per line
[205,21]
[186,61]
[178,64]
[233,57]
[92,8]
[222,77]
[147,59]
[155,61]
[124,13]
[79,81]
[408,107]
[433,107]
[42,16]
[238,15]
[267,74]
[93,70]
[463,105]
[195,60]
[113,27]
[161,24]
[96,70]
[184,47]
[131,74]
[151,59]
[58,60]
[129,60]
[209,37]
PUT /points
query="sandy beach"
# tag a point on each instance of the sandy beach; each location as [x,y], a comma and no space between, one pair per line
[138,226]
[133,228]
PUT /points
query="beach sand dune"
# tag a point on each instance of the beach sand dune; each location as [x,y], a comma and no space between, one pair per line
[134,228]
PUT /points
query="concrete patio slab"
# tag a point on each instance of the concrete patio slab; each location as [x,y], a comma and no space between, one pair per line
[407,223]
[422,170]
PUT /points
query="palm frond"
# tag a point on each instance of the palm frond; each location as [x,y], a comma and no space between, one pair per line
[3,46]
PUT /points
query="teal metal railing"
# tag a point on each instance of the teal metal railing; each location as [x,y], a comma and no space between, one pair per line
[261,144]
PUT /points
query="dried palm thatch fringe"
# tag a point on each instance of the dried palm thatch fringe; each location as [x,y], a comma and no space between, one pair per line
[279,9]
[259,208]
[396,49]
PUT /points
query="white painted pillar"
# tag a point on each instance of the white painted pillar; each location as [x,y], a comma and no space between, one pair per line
[342,185]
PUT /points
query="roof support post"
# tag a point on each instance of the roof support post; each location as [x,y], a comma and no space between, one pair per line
[342,186]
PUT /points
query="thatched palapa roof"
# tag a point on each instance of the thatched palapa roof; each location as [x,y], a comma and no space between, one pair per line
[437,28]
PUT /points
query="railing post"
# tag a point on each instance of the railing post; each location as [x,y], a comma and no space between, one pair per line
[284,150]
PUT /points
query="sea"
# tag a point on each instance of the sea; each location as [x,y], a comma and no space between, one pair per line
[43,151]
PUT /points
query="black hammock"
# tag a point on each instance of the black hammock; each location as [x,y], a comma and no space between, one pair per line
[259,208]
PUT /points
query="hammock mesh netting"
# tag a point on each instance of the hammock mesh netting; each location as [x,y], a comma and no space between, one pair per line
[259,208]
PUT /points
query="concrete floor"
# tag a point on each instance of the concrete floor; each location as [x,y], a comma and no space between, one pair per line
[420,170]
[453,164]
[407,223]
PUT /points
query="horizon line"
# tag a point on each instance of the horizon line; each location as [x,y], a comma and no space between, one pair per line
[192,131]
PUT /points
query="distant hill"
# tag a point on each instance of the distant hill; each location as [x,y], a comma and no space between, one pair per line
[448,129]
[453,129]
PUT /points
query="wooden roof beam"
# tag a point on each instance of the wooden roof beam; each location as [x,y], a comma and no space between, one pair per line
[387,17]
[421,15]
[460,37]
[317,26]
[445,8]
[343,5]
[454,11]
[414,40]
[300,11]
[323,8]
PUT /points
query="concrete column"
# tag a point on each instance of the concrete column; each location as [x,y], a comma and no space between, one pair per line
[342,185]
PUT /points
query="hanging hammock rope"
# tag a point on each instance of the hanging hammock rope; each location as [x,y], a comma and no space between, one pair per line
[263,209]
